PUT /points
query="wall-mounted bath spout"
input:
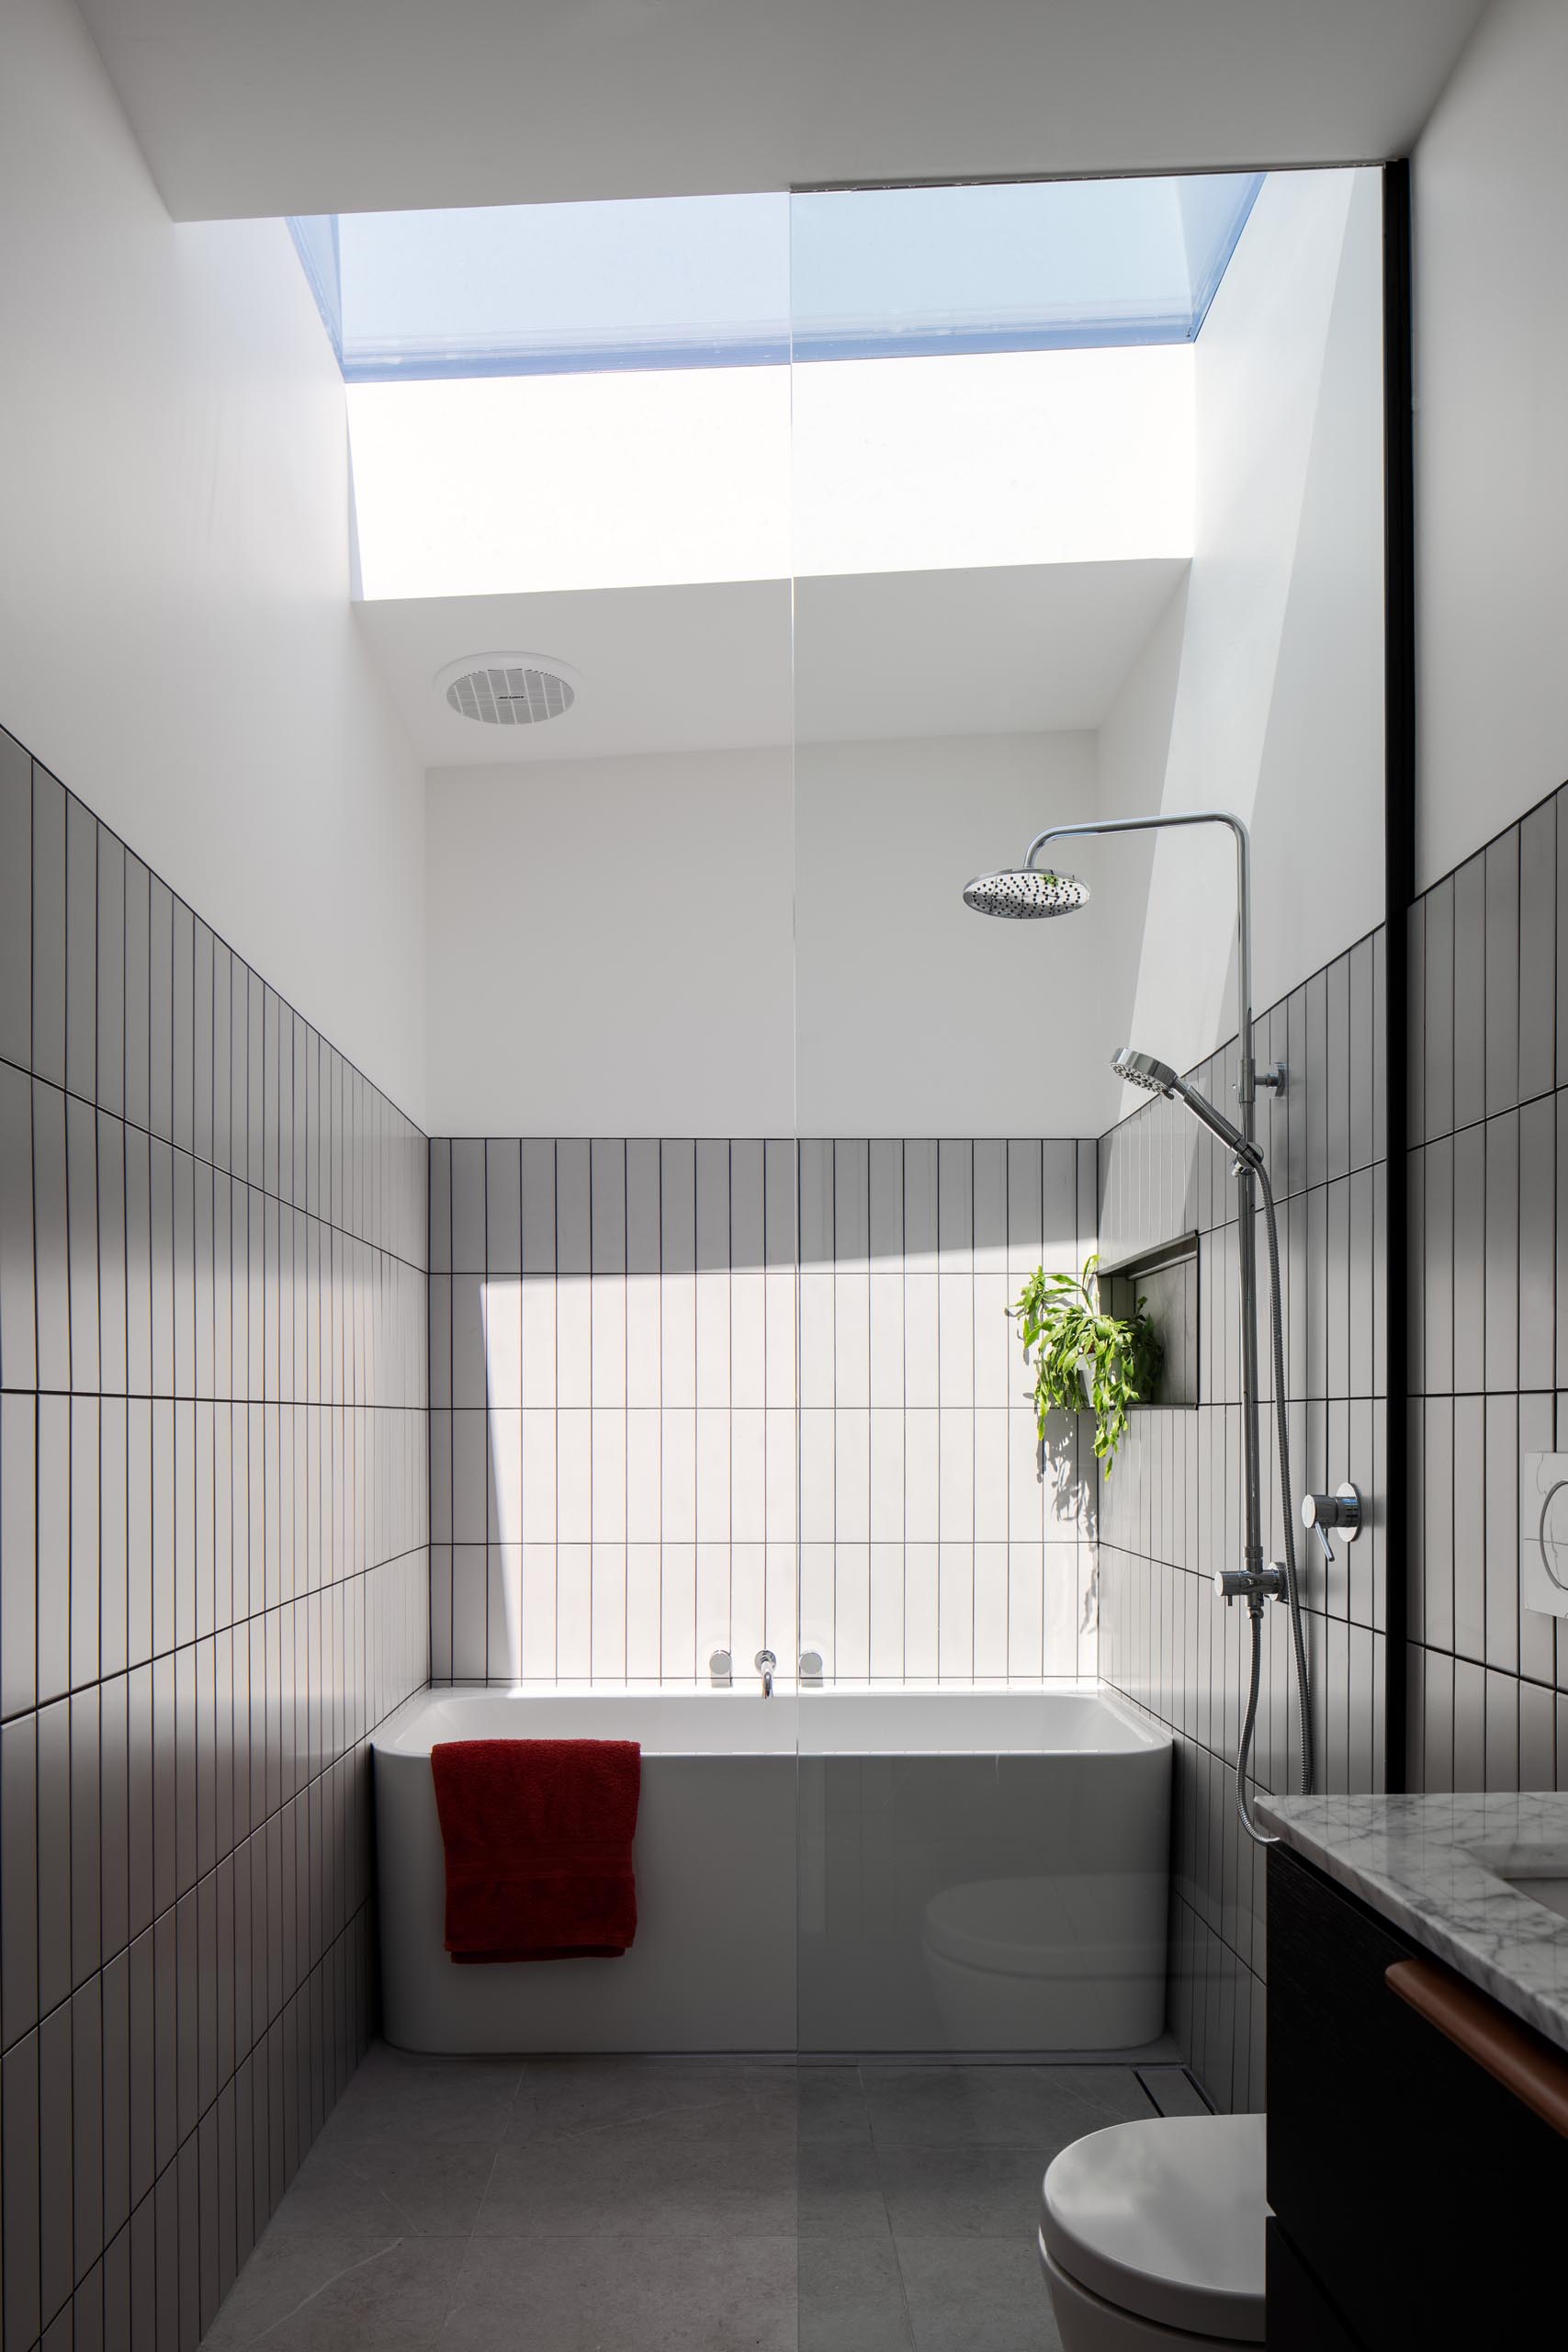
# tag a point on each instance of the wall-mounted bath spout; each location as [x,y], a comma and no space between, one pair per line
[766,1663]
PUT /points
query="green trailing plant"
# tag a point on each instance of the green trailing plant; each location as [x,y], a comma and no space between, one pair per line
[1081,1355]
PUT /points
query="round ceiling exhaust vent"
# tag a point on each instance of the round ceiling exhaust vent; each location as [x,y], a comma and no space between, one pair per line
[509,689]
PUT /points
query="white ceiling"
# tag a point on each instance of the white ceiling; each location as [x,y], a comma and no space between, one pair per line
[876,656]
[886,656]
[338,105]
[662,669]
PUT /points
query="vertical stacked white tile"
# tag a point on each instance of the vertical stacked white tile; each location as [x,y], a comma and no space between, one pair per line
[902,1579]
[537,1567]
[864,1602]
[613,1440]
[666,1374]
[1007,1585]
[1070,1236]
[922,1584]
[678,1410]
[956,1611]
[818,1597]
[780,1254]
[501,1324]
[931,1548]
[607,1650]
[574,1410]
[644,1441]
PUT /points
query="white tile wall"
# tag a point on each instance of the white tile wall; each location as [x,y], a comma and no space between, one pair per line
[698,1395]
[1170,1516]
[212,1577]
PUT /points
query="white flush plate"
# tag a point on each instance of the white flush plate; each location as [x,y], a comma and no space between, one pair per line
[1544,1533]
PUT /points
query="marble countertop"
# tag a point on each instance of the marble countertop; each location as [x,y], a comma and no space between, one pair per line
[1431,1865]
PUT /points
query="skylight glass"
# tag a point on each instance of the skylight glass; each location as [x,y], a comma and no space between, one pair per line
[1057,264]
[704,282]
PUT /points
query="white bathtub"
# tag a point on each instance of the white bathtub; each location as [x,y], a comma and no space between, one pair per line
[849,1870]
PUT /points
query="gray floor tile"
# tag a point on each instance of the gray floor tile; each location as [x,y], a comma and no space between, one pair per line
[357,2186]
[428,2102]
[921,2105]
[636,2181]
[653,2204]
[839,2191]
[964,2192]
[683,2099]
[1040,2107]
[339,2295]
[968,2296]
[732,2293]
[852,2297]
[830,2104]
[1035,2107]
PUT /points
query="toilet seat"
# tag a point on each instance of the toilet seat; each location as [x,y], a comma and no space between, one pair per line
[1165,2220]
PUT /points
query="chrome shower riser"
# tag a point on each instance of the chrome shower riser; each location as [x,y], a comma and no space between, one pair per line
[1029,891]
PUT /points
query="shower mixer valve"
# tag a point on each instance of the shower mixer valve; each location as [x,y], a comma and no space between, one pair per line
[1341,1510]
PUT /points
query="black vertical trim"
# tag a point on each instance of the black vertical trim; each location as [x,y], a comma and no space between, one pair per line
[1399,870]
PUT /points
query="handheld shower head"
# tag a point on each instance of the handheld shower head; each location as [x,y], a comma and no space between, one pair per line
[1158,1078]
[1025,893]
[1142,1070]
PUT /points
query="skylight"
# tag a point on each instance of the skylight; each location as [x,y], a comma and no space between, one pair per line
[707,282]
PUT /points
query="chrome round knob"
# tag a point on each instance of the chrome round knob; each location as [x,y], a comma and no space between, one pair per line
[1341,1510]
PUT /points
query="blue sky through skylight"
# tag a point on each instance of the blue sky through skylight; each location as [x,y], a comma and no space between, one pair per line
[752,280]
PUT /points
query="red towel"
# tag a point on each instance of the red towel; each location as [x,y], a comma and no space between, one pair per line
[538,1838]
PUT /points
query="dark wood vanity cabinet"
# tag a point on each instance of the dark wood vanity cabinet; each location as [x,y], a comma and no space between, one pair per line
[1417,2201]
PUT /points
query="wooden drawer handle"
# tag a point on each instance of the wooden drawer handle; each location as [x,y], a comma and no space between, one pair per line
[1512,2054]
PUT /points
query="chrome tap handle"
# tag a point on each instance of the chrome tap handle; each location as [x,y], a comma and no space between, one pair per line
[1341,1510]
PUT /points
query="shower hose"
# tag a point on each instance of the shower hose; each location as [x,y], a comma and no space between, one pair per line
[1292,1589]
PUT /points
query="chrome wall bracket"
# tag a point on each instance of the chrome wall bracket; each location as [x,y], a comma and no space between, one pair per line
[1255,1586]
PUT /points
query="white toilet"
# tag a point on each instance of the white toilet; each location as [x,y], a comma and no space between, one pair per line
[1152,2235]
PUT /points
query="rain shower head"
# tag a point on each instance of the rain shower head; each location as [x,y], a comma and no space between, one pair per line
[1158,1078]
[1025,893]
